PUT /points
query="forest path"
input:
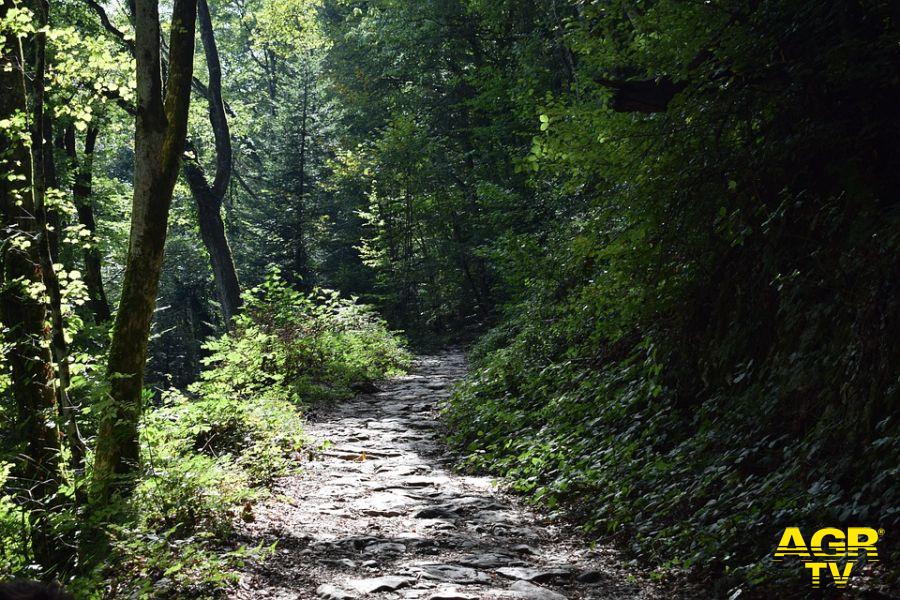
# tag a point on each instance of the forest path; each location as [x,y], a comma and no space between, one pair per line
[378,513]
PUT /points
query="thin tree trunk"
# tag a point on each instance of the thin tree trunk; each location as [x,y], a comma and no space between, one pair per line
[209,197]
[271,79]
[23,309]
[44,176]
[54,222]
[160,132]
[212,231]
[82,191]
[301,258]
[200,320]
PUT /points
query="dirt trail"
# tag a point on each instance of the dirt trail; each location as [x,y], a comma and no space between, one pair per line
[378,513]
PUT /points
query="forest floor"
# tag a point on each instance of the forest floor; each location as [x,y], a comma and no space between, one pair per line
[377,511]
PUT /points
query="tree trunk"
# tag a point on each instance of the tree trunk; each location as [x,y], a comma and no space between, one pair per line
[212,231]
[271,73]
[82,191]
[54,221]
[209,197]
[301,259]
[48,222]
[160,132]
[23,309]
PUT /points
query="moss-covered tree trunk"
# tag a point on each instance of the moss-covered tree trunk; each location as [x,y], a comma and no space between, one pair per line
[23,306]
[160,130]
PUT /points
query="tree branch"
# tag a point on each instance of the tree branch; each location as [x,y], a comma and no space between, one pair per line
[243,184]
[129,47]
[108,25]
[120,101]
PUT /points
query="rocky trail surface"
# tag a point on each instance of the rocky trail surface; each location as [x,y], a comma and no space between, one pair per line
[377,512]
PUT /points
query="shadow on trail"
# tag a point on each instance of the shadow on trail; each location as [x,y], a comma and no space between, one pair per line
[378,513]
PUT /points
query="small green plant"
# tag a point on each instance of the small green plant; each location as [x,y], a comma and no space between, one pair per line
[210,451]
[13,545]
[167,564]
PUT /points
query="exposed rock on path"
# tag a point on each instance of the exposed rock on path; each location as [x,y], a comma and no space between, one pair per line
[378,513]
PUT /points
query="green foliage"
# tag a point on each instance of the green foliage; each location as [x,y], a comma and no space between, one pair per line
[305,347]
[165,565]
[706,486]
[407,163]
[211,451]
[704,349]
[13,541]
[187,487]
[695,337]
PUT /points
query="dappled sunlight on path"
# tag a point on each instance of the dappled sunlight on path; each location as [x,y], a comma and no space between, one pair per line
[377,512]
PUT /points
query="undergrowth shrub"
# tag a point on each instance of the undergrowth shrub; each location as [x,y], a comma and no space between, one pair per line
[169,565]
[599,434]
[307,348]
[210,451]
[13,547]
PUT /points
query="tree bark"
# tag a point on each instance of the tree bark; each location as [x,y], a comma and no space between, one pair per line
[54,220]
[271,72]
[160,132]
[209,197]
[48,222]
[82,191]
[301,258]
[212,231]
[23,308]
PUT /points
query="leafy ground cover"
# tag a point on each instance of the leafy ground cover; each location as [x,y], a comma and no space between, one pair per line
[211,451]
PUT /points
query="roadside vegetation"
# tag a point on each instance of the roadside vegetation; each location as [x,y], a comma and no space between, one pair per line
[210,451]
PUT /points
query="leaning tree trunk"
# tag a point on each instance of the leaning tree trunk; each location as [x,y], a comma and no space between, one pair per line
[82,191]
[23,308]
[209,197]
[212,231]
[160,131]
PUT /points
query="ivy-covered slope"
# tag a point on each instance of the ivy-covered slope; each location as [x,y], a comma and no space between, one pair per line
[708,348]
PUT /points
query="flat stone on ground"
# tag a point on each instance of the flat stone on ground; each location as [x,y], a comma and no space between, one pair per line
[531,574]
[489,560]
[326,591]
[452,573]
[380,548]
[451,594]
[388,583]
[534,592]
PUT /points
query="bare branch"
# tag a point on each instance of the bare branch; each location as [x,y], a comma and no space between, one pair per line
[117,33]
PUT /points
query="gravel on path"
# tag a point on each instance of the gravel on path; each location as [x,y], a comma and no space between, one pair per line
[377,512]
